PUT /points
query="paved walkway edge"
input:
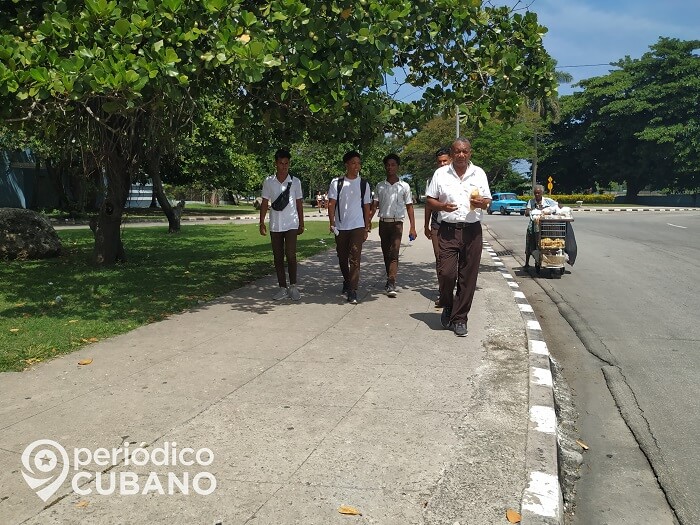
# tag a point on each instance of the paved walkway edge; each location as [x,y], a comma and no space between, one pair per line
[542,501]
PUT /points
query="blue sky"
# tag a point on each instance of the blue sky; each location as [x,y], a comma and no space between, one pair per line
[583,32]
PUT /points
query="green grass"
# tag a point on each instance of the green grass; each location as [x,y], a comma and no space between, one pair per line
[164,274]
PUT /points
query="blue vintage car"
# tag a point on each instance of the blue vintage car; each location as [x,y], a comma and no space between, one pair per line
[505,203]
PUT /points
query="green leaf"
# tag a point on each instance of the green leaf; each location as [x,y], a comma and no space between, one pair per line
[121,27]
[40,74]
[132,76]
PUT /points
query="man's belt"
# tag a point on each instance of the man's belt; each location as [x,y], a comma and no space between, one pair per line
[457,225]
[390,219]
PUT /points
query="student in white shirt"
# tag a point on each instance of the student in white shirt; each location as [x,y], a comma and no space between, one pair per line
[393,199]
[285,224]
[349,199]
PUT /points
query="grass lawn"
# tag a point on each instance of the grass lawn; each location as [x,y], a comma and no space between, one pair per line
[54,306]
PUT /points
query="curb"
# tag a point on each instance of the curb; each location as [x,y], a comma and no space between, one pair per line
[198,218]
[633,209]
[542,501]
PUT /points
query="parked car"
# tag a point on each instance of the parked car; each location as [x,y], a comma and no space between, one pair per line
[505,204]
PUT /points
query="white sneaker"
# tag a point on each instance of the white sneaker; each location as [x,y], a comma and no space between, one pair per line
[294,293]
[282,294]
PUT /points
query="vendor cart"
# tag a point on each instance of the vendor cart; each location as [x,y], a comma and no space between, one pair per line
[548,245]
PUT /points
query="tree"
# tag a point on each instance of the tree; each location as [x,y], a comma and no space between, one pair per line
[124,76]
[214,155]
[543,109]
[496,146]
[637,125]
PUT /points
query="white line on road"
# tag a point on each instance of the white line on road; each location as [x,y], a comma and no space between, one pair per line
[676,226]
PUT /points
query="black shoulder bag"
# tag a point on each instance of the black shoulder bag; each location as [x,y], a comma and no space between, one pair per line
[281,202]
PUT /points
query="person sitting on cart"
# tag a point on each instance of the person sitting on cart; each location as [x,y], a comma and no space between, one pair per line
[540,202]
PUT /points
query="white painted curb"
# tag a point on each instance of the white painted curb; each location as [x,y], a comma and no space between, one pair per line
[542,501]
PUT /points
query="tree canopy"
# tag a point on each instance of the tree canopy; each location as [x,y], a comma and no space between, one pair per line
[121,79]
[638,125]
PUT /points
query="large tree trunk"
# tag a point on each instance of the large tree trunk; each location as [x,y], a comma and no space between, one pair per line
[109,248]
[173,214]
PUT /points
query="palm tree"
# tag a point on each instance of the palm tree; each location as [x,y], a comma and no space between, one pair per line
[544,108]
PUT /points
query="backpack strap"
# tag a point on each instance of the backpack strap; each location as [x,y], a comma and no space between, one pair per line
[364,184]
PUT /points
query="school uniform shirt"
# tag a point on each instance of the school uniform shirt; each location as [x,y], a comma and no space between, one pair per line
[351,212]
[288,218]
[392,199]
[446,186]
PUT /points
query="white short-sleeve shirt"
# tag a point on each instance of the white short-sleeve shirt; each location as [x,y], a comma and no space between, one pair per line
[351,210]
[288,218]
[447,186]
[392,199]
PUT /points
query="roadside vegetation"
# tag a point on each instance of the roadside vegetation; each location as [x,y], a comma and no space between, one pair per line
[54,306]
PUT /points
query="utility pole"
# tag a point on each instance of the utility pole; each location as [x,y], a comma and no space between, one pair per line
[457,123]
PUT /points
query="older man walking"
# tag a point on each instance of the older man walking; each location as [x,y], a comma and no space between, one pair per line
[460,192]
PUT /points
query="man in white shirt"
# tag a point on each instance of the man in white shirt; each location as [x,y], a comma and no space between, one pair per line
[460,192]
[349,199]
[285,224]
[393,199]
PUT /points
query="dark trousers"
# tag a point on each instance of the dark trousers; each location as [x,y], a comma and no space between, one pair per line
[390,234]
[285,243]
[460,254]
[348,246]
[435,239]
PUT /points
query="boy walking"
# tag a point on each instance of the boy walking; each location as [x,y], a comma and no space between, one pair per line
[286,222]
[394,201]
[349,199]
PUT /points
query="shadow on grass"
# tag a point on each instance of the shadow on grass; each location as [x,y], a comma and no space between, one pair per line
[53,306]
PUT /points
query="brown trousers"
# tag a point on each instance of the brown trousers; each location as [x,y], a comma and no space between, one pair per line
[460,254]
[390,234]
[285,243]
[348,246]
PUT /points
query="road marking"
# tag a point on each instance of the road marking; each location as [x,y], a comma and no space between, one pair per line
[676,226]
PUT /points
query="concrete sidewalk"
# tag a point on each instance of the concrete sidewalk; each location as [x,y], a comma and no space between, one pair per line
[306,407]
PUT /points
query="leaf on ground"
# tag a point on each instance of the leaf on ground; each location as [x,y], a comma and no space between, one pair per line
[73,321]
[582,444]
[81,504]
[346,13]
[85,361]
[14,329]
[513,516]
[20,305]
[351,511]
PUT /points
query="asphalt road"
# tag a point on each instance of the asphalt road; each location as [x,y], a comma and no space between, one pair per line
[633,299]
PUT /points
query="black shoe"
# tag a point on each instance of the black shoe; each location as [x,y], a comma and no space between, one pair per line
[445,317]
[460,328]
[352,297]
[391,290]
[345,288]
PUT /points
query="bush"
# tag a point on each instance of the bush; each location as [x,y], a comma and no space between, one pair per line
[587,198]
